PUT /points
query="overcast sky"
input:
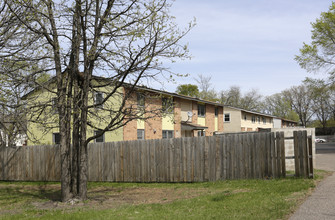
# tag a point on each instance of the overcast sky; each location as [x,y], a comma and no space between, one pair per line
[247,43]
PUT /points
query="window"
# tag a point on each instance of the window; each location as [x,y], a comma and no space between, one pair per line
[201,133]
[167,105]
[227,117]
[140,134]
[167,134]
[99,98]
[253,119]
[99,139]
[259,119]
[201,110]
[216,111]
[140,101]
[245,117]
[56,138]
[54,105]
[264,120]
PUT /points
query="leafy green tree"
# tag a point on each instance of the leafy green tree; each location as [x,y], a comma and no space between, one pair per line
[188,90]
[319,55]
[299,98]
[321,100]
[278,105]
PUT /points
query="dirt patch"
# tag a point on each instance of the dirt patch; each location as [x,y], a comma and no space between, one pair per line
[106,197]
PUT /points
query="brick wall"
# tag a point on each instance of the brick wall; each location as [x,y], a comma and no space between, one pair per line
[220,119]
[195,116]
[153,125]
[210,120]
[130,129]
[195,112]
[177,117]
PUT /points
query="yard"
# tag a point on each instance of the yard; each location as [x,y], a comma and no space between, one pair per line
[238,199]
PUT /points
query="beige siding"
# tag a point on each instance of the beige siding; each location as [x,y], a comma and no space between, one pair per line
[235,120]
[202,121]
[167,122]
[253,126]
[186,106]
[238,122]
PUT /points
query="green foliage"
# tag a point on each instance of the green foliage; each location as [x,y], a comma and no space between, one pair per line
[280,106]
[43,78]
[321,98]
[319,55]
[188,90]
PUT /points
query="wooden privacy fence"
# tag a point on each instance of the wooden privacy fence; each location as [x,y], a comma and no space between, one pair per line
[231,156]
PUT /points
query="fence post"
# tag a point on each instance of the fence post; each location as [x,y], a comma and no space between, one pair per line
[280,142]
[296,136]
[301,154]
[310,158]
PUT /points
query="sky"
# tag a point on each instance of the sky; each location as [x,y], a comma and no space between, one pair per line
[251,44]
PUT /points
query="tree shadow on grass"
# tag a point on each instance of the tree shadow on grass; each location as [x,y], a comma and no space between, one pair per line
[17,193]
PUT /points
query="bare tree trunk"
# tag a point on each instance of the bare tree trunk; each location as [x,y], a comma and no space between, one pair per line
[74,66]
[75,139]
[83,143]
[64,129]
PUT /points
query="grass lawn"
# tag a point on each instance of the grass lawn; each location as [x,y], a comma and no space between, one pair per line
[236,199]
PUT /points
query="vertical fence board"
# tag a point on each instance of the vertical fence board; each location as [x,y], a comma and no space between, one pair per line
[218,157]
[121,149]
[185,161]
[260,152]
[197,159]
[193,146]
[159,162]
[170,147]
[211,159]
[296,135]
[268,147]
[273,154]
[166,164]
[246,153]
[152,164]
[310,158]
[117,162]
[305,158]
[143,152]
[176,163]
[236,156]
[262,156]
[147,161]
[107,165]
[283,155]
[229,162]
[301,154]
[224,157]
[278,154]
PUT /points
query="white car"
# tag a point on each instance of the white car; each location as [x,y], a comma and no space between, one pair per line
[320,140]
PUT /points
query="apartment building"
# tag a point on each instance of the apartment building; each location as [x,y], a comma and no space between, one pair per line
[182,116]
[178,116]
[237,120]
